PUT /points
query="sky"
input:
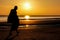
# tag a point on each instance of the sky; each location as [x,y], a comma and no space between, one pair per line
[31,7]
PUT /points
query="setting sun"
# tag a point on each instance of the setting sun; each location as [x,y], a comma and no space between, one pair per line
[27,17]
[26,6]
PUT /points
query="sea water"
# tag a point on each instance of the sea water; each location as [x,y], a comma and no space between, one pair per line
[31,19]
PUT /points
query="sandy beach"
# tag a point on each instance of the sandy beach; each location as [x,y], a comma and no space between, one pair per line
[35,33]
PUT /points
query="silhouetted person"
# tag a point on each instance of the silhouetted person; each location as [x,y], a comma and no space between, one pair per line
[13,19]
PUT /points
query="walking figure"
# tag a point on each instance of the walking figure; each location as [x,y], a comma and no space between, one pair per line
[13,19]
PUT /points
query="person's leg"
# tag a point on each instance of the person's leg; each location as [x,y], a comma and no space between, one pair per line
[11,30]
[17,29]
[17,32]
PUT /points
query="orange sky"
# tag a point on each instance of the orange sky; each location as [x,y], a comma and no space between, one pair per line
[38,7]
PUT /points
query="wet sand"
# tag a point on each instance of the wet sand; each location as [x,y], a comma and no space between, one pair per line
[41,33]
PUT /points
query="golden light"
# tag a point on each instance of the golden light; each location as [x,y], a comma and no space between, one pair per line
[26,5]
[27,26]
[27,17]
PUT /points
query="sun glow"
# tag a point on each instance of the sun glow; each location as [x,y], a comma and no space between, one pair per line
[27,17]
[26,6]
[27,26]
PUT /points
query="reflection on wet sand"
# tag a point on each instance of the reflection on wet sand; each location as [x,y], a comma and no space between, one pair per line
[28,27]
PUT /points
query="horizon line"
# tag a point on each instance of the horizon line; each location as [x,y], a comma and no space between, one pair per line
[35,15]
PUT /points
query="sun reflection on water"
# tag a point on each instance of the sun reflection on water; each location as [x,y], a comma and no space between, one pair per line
[27,26]
[27,17]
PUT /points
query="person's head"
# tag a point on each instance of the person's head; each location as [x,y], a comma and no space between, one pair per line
[15,7]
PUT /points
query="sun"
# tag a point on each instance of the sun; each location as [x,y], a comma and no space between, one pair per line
[27,17]
[26,6]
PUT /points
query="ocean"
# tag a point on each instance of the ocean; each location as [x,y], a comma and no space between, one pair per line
[4,18]
[35,20]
